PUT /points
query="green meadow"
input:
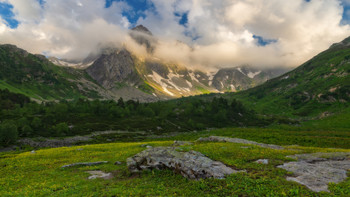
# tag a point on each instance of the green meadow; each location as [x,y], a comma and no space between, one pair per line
[40,173]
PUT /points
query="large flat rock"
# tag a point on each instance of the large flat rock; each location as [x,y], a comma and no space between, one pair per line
[317,170]
[192,164]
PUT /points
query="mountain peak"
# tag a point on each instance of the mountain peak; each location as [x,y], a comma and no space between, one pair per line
[142,29]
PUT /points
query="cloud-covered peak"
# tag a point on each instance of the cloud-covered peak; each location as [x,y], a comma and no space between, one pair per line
[142,29]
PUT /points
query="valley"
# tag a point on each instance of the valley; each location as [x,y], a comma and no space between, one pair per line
[303,112]
[123,122]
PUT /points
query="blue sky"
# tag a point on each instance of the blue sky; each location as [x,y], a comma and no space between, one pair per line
[7,14]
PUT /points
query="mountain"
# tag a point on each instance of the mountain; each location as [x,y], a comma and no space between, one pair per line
[116,72]
[242,78]
[119,69]
[319,87]
[144,37]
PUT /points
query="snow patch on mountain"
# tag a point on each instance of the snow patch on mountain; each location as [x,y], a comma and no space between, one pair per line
[167,91]
[253,74]
[240,70]
[193,77]
[159,80]
[189,84]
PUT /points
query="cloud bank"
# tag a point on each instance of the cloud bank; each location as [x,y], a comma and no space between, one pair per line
[206,33]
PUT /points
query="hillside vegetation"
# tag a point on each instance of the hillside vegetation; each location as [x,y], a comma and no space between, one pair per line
[36,77]
[320,85]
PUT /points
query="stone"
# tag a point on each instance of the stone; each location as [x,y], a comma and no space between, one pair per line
[144,145]
[239,141]
[317,170]
[192,164]
[99,174]
[148,146]
[32,152]
[118,163]
[182,143]
[262,161]
[85,164]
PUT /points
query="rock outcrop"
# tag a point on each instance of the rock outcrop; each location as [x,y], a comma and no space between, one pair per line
[114,66]
[317,170]
[192,164]
[239,141]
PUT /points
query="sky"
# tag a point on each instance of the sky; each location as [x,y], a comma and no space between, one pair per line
[205,33]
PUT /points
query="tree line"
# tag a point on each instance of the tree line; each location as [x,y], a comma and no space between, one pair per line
[21,118]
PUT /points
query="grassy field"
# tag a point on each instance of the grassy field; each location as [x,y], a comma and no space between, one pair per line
[40,174]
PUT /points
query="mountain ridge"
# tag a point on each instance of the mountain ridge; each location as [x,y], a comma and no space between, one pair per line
[319,86]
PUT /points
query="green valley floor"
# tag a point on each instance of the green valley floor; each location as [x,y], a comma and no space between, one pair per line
[39,173]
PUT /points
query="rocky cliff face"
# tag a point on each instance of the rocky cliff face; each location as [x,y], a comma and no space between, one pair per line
[113,67]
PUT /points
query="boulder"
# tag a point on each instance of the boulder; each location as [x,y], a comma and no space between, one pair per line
[317,170]
[262,161]
[192,164]
[239,141]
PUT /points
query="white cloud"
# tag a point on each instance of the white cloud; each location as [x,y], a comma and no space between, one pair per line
[219,33]
[26,11]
